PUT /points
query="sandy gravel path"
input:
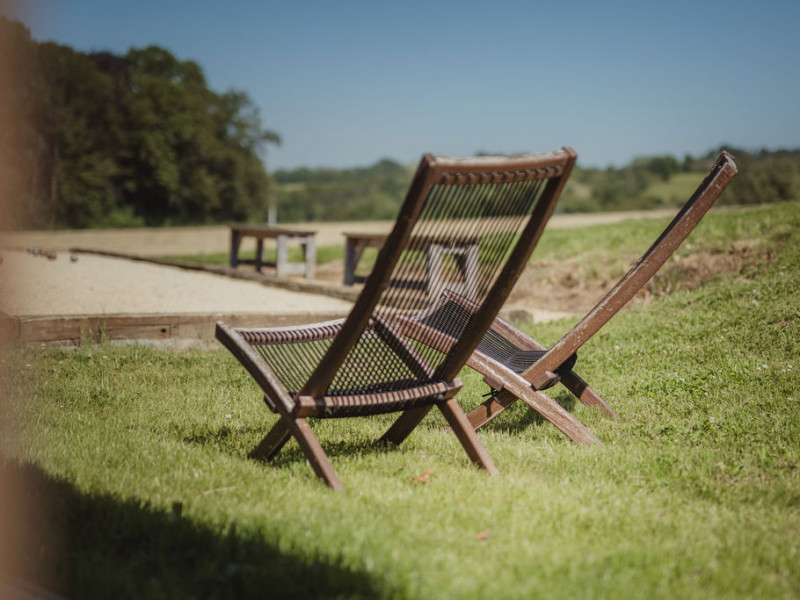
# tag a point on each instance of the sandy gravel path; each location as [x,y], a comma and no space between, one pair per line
[206,240]
[96,285]
[171,240]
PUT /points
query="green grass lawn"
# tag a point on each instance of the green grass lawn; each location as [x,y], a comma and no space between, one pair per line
[134,463]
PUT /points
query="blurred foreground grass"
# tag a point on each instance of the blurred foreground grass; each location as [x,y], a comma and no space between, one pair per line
[134,469]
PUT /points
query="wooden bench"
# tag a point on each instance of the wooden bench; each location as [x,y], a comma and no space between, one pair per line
[465,250]
[283,237]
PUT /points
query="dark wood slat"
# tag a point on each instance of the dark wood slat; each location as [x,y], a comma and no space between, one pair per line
[272,442]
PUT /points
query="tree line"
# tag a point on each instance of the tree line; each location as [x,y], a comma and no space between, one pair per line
[376,192]
[366,193]
[764,176]
[102,140]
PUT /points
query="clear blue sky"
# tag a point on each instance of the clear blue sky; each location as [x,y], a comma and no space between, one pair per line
[346,83]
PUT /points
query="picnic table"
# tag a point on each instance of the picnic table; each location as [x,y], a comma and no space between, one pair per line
[283,237]
[464,249]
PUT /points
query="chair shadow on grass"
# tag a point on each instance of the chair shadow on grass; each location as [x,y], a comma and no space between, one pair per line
[227,439]
[93,545]
[292,453]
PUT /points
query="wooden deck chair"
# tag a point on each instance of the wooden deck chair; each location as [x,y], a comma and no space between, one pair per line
[467,225]
[517,367]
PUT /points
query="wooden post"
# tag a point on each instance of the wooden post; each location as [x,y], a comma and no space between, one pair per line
[259,254]
[282,256]
[310,256]
[236,240]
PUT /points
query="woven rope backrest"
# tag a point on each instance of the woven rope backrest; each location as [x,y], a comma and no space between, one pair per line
[467,227]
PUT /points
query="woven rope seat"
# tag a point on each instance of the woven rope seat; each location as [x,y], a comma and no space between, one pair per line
[294,353]
[450,317]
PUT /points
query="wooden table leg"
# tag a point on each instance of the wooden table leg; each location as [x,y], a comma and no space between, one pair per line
[471,271]
[236,240]
[259,254]
[434,254]
[310,256]
[350,261]
[466,257]
[282,257]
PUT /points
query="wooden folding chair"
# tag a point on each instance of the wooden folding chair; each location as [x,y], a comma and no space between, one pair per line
[517,367]
[467,225]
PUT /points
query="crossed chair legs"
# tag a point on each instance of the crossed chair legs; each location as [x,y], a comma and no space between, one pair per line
[510,387]
[289,426]
[462,425]
[517,388]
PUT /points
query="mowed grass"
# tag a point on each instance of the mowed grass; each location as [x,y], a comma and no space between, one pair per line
[134,463]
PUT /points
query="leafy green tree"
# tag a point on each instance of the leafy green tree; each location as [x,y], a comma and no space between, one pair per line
[75,103]
[764,177]
[195,153]
[663,167]
[366,193]
[104,140]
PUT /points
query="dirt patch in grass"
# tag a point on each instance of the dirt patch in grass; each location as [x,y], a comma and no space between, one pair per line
[572,286]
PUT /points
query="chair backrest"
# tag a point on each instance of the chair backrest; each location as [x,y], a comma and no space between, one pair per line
[720,175]
[467,225]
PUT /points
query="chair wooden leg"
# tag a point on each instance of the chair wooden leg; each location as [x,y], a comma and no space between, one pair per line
[483,413]
[575,384]
[558,416]
[288,427]
[273,441]
[314,453]
[541,403]
[487,411]
[404,425]
[466,434]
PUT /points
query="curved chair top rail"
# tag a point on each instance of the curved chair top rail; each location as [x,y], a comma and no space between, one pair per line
[524,186]
[651,261]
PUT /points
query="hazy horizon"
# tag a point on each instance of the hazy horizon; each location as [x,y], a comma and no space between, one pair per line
[347,85]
